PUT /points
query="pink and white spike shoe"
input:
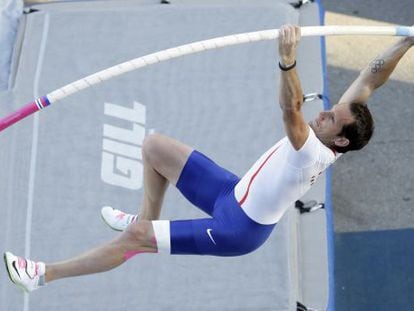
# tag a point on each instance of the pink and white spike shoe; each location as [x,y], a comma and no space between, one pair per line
[117,219]
[28,275]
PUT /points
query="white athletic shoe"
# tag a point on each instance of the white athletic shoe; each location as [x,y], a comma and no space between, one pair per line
[28,275]
[117,219]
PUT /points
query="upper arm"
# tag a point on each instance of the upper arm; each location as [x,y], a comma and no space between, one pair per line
[358,92]
[296,128]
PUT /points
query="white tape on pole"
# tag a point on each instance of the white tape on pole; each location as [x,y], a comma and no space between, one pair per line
[220,42]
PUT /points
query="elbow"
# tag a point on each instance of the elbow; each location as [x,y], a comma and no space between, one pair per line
[289,114]
[294,105]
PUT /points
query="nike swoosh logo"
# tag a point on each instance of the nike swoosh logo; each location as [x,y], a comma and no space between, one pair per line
[210,236]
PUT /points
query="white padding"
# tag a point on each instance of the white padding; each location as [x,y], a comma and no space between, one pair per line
[162,235]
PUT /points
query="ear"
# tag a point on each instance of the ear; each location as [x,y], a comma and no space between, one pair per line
[341,141]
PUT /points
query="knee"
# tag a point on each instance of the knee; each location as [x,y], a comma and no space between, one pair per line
[140,233]
[152,147]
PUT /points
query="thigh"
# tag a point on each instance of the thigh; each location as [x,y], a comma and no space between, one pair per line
[165,155]
[200,237]
[229,233]
[202,181]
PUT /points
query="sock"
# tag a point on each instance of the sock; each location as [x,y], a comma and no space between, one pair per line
[41,270]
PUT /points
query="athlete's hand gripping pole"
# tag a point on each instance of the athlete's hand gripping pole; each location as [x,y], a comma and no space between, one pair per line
[194,47]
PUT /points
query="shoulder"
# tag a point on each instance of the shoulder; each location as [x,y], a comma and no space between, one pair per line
[312,151]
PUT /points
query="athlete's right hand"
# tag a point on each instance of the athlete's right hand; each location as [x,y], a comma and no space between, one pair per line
[289,37]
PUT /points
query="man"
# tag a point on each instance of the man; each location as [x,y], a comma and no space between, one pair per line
[243,212]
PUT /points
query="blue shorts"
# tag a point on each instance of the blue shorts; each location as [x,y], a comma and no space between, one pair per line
[229,231]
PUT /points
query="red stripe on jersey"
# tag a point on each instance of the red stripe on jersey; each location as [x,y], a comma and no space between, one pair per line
[254,176]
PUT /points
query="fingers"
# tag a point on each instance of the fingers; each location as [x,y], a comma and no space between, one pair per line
[289,36]
[297,33]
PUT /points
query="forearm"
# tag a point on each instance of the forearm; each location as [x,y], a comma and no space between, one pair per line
[290,91]
[380,68]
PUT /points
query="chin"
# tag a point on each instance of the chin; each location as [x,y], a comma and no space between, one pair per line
[312,125]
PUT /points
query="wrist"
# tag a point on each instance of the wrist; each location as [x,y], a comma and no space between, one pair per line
[287,59]
[409,41]
[287,67]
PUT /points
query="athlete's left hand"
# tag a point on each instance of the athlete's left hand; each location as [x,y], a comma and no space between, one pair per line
[410,39]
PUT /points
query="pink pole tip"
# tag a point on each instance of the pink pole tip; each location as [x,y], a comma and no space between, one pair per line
[18,115]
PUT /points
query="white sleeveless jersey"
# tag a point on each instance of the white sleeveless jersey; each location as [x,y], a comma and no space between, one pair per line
[280,177]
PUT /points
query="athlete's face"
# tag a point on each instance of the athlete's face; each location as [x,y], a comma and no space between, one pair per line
[329,124]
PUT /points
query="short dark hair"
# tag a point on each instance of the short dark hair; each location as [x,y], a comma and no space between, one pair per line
[358,132]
